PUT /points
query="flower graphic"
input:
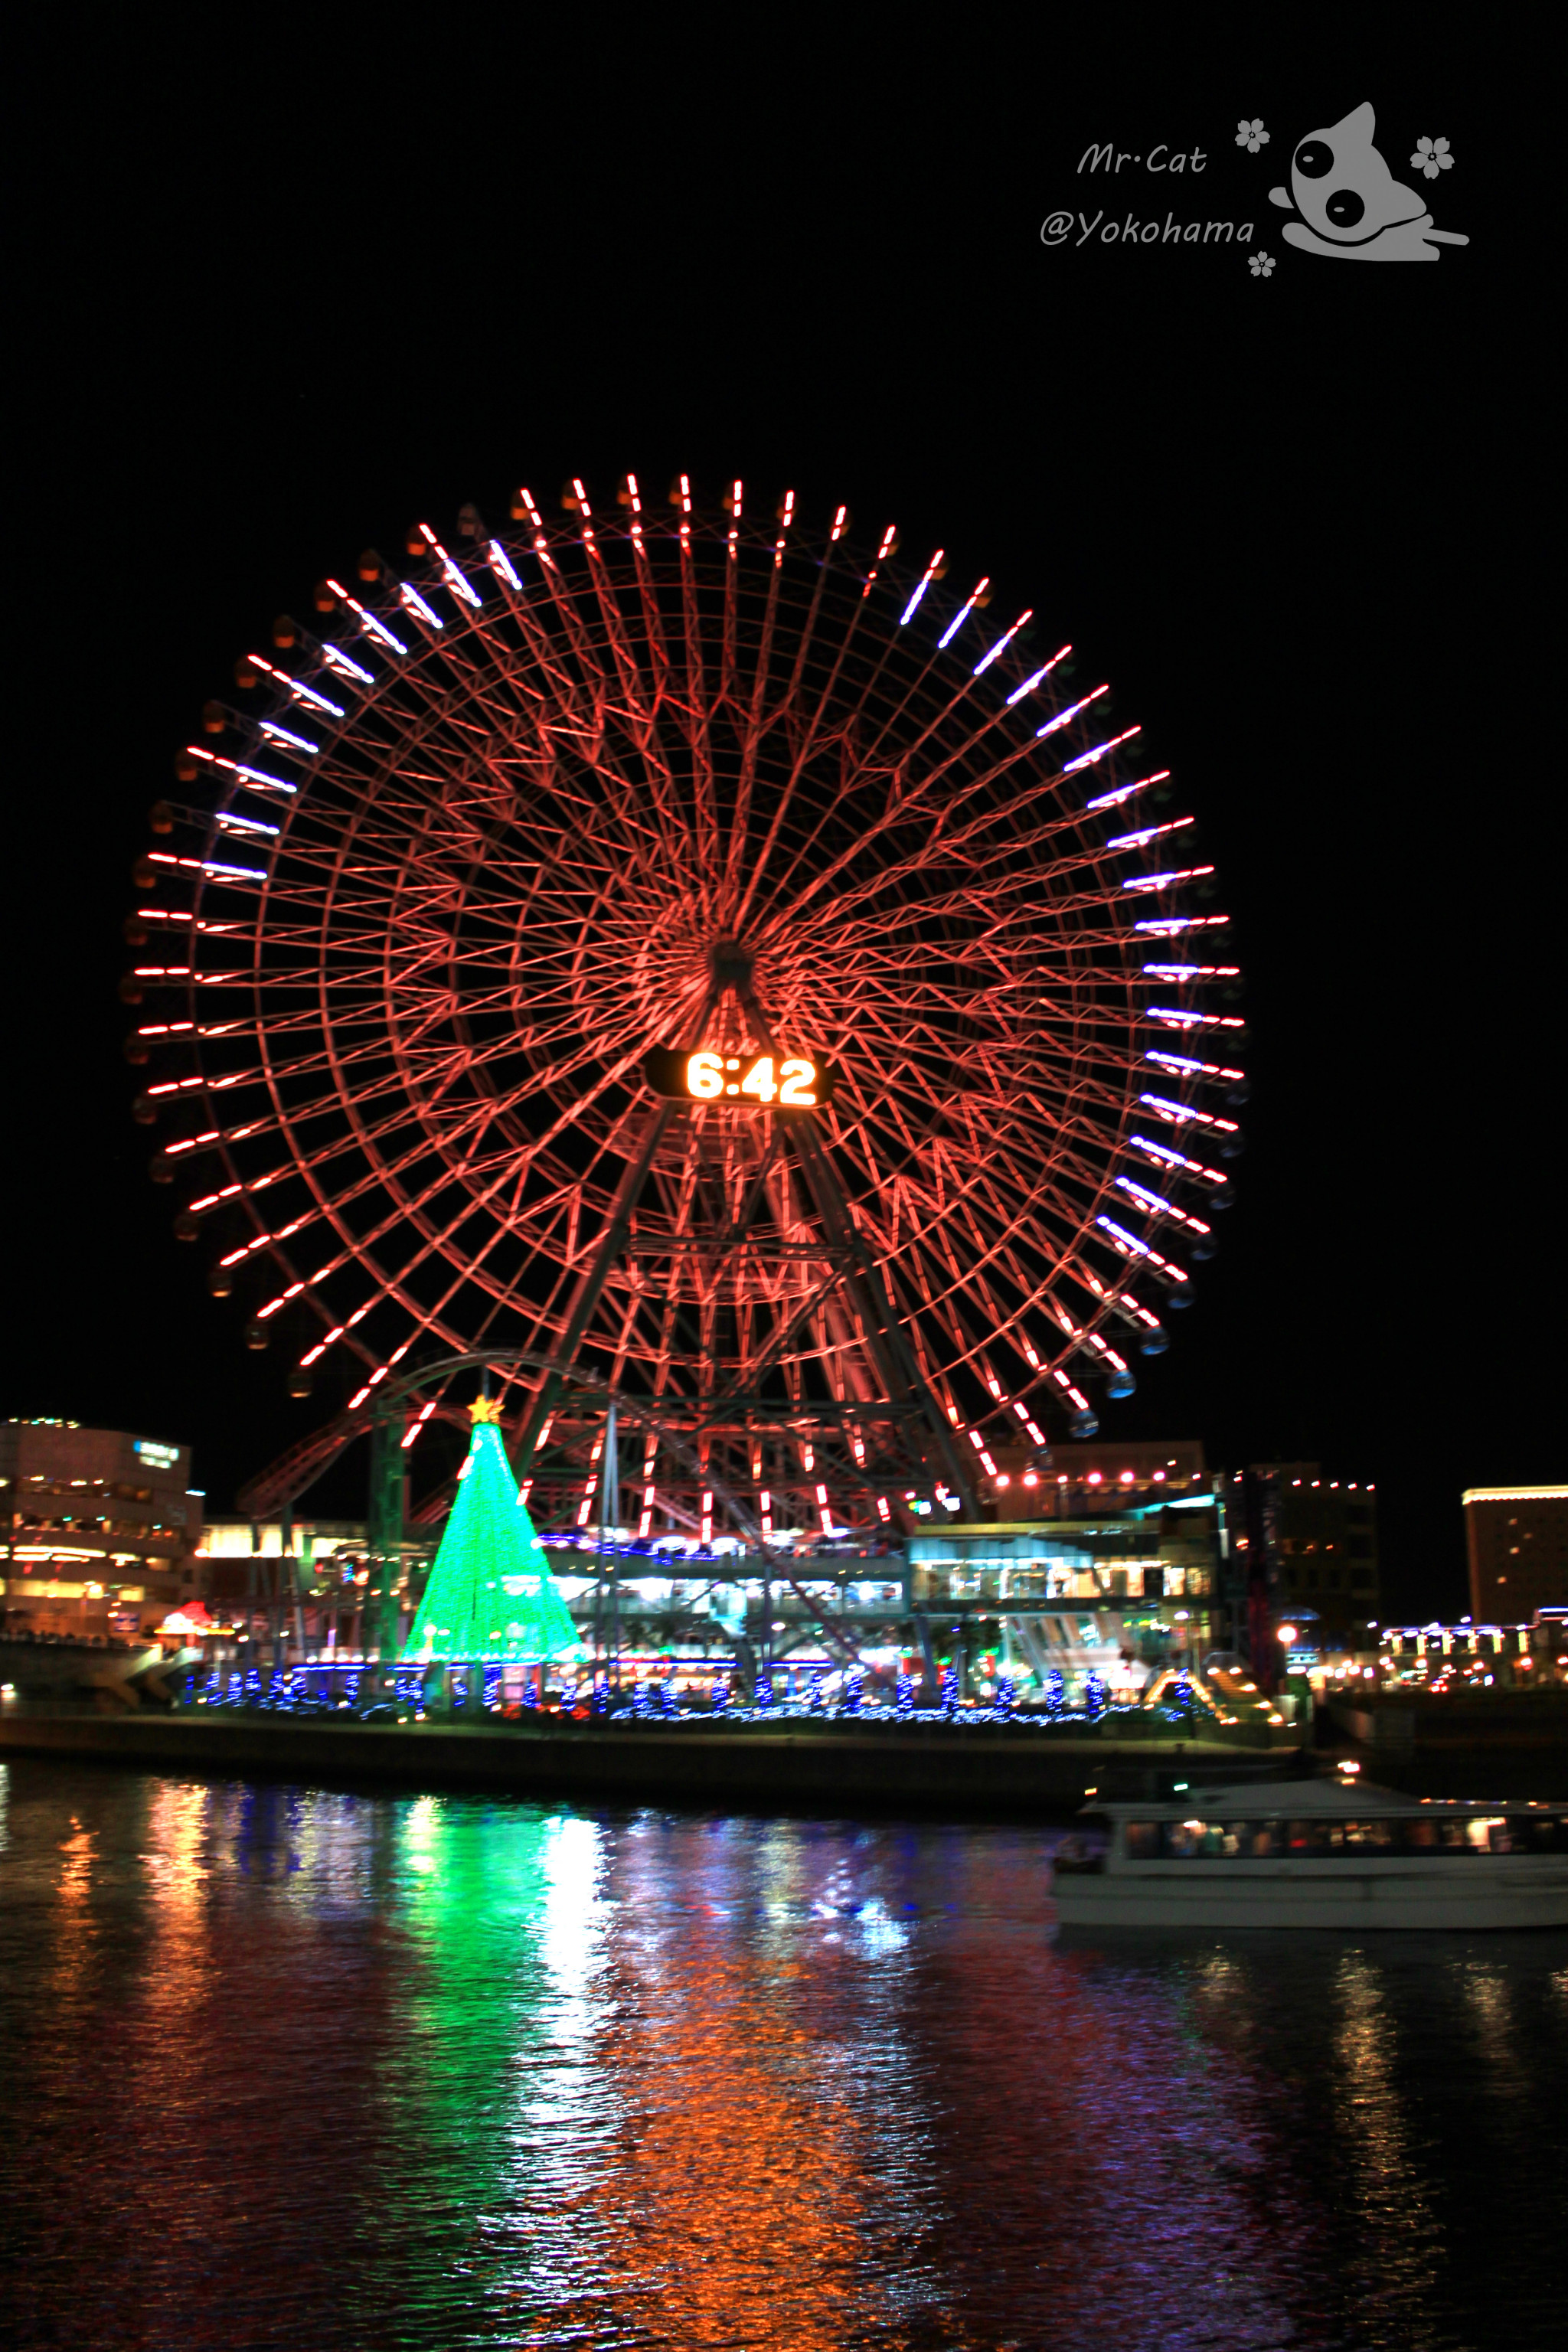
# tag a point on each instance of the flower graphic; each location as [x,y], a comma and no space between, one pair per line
[1252,136]
[1261,265]
[1432,156]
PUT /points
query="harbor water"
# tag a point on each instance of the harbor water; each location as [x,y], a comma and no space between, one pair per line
[291,2067]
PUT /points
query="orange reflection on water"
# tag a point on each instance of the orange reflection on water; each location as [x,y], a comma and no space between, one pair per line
[74,1926]
[738,2194]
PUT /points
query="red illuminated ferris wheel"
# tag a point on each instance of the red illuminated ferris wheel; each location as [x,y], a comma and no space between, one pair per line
[726,966]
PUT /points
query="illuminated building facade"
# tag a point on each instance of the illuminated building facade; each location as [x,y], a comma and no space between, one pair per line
[1131,1580]
[1516,1540]
[309,1572]
[1474,1657]
[1114,1592]
[1142,1470]
[101,1529]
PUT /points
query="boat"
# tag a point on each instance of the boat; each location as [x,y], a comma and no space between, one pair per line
[1324,1854]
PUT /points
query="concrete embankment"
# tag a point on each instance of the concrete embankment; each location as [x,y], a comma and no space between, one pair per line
[811,1766]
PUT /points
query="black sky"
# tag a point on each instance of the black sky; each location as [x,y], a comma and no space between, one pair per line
[281,293]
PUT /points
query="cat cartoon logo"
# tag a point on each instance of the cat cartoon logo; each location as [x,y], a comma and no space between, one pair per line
[1351,206]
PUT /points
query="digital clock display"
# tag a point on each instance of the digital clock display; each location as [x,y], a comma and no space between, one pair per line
[749,1081]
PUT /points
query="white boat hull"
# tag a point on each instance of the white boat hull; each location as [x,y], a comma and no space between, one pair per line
[1500,1891]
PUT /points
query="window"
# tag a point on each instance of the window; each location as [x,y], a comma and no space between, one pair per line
[1328,1841]
[1308,1840]
[1202,1840]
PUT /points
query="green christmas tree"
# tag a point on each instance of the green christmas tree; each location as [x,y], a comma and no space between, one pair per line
[490,1594]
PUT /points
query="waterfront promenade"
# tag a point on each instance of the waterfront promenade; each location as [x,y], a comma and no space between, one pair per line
[799,1761]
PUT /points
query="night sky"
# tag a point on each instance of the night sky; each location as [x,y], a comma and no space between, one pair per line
[279,300]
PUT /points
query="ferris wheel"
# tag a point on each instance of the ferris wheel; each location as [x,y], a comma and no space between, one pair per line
[716,958]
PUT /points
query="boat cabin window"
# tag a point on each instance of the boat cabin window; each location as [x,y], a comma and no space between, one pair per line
[1254,1841]
[1341,1837]
[1197,1840]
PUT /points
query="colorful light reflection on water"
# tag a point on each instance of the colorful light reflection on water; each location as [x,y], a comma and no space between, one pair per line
[296,2068]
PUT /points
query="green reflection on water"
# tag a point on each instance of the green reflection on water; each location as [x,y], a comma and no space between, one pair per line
[484,2101]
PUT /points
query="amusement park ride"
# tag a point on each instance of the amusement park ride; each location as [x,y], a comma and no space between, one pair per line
[720,985]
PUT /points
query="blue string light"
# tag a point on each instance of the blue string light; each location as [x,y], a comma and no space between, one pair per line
[765,1690]
[855,1691]
[1094,1695]
[1006,1697]
[906,1697]
[492,1687]
[721,1695]
[816,1693]
[949,1690]
[601,1700]
[1055,1691]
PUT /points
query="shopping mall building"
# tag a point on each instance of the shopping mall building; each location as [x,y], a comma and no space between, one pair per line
[103,1528]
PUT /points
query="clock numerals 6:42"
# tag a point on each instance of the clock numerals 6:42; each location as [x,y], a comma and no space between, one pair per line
[711,1077]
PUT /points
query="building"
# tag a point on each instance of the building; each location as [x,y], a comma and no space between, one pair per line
[263,1577]
[1473,1656]
[1120,1587]
[1516,1540]
[1109,1566]
[101,1529]
[1067,1479]
[309,1542]
[1321,1536]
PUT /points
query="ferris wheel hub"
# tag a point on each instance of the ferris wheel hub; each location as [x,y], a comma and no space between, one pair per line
[732,963]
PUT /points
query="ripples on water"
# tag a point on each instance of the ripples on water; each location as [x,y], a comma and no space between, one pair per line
[308,2069]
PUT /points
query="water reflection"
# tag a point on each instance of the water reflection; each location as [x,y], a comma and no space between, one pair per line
[1400,2257]
[442,2072]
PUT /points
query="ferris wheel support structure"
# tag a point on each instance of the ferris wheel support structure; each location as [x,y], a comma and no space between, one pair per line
[883,1332]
